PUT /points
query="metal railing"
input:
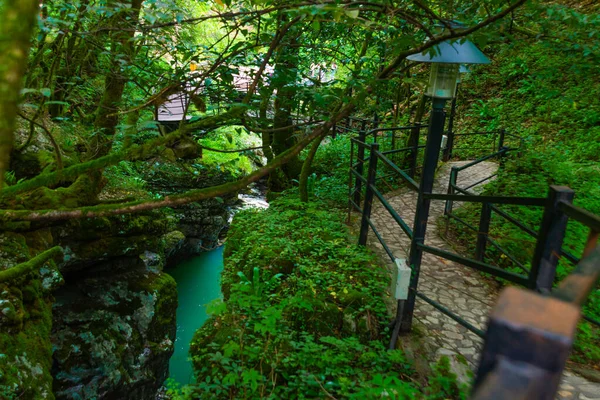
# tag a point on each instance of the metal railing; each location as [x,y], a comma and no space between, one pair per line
[557,209]
[489,141]
[549,241]
[529,336]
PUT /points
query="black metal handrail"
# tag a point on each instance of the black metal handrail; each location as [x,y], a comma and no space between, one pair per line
[410,181]
[499,153]
[402,149]
[565,207]
[523,316]
[580,215]
[392,212]
[471,198]
[477,265]
[529,336]
[450,314]
[371,192]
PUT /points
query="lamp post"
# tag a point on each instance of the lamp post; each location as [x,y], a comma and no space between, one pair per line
[445,60]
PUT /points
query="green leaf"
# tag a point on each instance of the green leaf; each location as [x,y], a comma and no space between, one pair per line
[352,13]
[25,91]
[46,92]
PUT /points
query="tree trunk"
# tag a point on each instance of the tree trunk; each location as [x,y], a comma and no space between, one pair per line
[283,139]
[306,168]
[114,84]
[16,25]
[263,117]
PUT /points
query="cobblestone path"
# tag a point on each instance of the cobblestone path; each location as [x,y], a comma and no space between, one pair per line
[461,289]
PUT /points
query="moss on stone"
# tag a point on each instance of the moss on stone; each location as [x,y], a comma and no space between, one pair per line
[115,332]
[22,269]
[26,351]
[13,249]
[82,192]
[164,287]
[172,240]
[25,319]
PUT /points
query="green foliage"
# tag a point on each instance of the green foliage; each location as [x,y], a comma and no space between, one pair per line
[443,384]
[300,314]
[542,87]
[125,180]
[26,307]
[9,178]
[329,181]
[229,138]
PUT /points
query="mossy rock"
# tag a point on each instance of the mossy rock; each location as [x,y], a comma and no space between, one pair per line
[82,192]
[13,249]
[114,333]
[165,288]
[40,240]
[166,175]
[25,165]
[187,148]
[172,242]
[87,229]
[26,351]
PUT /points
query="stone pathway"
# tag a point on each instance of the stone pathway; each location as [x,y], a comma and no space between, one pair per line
[462,290]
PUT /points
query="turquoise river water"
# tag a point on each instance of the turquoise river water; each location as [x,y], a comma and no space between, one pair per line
[198,283]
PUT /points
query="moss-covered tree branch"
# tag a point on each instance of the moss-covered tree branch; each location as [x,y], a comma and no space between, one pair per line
[28,266]
[170,201]
[131,153]
[152,147]
[306,167]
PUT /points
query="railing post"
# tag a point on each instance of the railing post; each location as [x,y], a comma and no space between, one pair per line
[451,184]
[484,229]
[414,143]
[371,176]
[350,187]
[363,128]
[432,152]
[550,240]
[447,154]
[501,139]
[501,146]
[360,156]
[525,348]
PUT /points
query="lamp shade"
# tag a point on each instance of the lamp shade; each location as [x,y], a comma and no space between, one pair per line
[442,81]
[446,58]
[452,52]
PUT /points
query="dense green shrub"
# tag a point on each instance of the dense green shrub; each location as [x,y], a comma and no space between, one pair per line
[302,315]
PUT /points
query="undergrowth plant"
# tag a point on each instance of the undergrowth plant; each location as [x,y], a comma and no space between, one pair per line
[329,180]
[303,315]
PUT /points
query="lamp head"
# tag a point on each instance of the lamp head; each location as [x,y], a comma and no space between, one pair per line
[446,59]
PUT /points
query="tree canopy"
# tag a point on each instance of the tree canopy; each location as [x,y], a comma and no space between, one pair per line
[285,70]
